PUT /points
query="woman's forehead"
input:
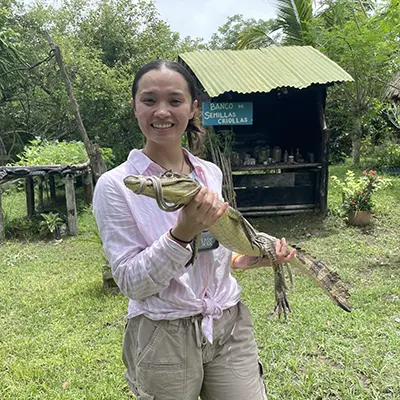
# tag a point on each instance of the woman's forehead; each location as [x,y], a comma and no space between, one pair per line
[163,80]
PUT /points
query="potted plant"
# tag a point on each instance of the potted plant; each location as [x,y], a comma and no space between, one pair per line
[357,195]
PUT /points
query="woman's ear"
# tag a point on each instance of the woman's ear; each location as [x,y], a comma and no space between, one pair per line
[194,109]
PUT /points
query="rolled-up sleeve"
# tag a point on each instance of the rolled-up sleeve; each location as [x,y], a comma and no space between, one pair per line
[139,270]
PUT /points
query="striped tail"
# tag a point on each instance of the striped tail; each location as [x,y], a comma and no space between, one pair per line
[324,277]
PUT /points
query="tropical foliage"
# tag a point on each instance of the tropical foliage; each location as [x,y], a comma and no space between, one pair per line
[46,152]
[105,42]
[357,192]
[361,37]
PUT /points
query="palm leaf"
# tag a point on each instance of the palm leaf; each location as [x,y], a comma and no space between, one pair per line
[294,18]
[254,37]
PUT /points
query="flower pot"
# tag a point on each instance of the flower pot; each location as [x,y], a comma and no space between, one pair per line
[359,218]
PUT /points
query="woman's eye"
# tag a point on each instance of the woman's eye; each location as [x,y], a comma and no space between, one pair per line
[148,101]
[176,102]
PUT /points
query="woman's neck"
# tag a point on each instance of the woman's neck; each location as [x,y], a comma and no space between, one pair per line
[170,159]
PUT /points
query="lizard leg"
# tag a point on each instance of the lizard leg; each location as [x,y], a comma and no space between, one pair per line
[195,250]
[282,302]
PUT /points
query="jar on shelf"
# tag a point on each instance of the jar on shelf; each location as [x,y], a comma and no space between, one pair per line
[235,159]
[262,155]
[311,157]
[277,154]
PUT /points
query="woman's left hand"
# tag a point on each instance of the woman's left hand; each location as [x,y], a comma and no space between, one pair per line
[282,255]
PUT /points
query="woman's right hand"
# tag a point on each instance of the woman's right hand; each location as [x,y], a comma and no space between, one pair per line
[201,213]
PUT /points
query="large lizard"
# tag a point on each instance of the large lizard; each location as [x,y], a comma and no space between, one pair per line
[234,232]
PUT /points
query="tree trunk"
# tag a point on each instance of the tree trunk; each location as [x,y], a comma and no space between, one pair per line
[2,229]
[96,160]
[356,140]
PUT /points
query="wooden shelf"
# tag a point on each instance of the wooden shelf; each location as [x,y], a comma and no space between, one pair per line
[259,167]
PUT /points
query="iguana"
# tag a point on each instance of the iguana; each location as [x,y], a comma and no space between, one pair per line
[234,232]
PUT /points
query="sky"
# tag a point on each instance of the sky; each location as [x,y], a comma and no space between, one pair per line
[201,18]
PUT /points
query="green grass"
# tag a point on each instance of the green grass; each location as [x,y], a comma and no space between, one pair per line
[61,336]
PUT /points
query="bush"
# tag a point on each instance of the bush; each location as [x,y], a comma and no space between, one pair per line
[45,152]
[385,155]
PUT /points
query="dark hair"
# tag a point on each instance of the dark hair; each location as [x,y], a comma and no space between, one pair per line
[194,130]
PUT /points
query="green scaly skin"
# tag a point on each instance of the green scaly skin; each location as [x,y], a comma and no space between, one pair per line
[235,233]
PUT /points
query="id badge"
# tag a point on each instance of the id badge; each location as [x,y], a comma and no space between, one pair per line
[207,241]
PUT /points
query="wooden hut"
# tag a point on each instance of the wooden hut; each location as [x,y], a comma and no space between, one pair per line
[273,99]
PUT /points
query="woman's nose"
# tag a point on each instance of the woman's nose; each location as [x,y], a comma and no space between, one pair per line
[162,110]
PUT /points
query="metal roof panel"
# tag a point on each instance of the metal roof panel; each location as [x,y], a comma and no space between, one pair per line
[262,70]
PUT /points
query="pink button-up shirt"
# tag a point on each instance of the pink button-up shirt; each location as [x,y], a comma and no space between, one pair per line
[147,265]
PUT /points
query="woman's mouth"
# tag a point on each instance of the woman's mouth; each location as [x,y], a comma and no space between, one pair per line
[162,126]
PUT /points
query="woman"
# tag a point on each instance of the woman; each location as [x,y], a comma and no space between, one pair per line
[188,334]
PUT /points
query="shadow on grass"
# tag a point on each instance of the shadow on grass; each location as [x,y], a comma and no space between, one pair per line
[298,226]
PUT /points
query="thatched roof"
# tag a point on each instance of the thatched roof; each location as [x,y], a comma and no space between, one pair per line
[393,90]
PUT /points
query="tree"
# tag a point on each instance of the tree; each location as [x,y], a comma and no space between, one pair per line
[10,56]
[358,36]
[295,19]
[103,45]
[363,44]
[230,35]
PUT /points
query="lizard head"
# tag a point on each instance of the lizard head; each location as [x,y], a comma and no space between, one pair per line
[175,188]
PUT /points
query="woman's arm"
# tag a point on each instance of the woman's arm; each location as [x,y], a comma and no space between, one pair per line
[138,269]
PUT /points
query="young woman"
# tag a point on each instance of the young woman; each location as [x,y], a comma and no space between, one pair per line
[188,334]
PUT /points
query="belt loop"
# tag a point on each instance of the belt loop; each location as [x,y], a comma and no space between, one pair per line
[197,331]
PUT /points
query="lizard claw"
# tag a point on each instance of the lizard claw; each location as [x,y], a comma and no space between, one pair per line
[282,303]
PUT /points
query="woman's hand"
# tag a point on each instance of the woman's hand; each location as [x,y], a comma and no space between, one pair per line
[282,255]
[201,213]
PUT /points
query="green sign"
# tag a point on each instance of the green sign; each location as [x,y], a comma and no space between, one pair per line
[227,114]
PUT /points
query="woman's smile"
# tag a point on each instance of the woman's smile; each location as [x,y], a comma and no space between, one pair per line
[163,126]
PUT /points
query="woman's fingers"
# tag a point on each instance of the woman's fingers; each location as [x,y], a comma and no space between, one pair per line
[282,251]
[220,212]
[205,208]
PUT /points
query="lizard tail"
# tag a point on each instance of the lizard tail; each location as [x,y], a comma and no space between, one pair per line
[324,277]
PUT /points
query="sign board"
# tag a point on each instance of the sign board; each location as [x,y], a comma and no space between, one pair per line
[227,114]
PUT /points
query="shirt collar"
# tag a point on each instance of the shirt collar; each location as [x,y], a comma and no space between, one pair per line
[144,164]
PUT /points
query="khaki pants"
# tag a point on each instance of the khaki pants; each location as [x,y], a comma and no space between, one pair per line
[170,360]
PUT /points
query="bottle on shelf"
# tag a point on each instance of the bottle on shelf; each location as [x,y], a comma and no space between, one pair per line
[298,158]
[286,157]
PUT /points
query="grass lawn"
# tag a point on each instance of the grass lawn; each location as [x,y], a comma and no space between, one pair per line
[60,335]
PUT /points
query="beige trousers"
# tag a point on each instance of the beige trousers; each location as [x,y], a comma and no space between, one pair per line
[170,360]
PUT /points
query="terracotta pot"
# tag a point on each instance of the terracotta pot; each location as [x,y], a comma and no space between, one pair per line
[359,218]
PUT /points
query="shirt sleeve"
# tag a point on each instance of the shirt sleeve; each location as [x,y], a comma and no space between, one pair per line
[138,269]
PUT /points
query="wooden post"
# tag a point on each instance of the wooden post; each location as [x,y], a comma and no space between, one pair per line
[52,188]
[30,196]
[324,176]
[71,205]
[40,190]
[2,231]
[88,187]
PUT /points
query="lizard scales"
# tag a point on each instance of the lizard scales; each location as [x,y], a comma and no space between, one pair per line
[172,191]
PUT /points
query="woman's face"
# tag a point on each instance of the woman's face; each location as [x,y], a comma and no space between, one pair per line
[163,106]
